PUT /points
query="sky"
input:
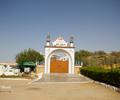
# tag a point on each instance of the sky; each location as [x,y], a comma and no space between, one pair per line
[94,24]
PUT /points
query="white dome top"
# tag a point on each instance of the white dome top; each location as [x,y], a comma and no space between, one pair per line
[59,42]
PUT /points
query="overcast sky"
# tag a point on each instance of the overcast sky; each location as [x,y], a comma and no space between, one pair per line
[95,24]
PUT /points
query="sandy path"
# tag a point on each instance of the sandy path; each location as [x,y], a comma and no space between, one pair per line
[21,90]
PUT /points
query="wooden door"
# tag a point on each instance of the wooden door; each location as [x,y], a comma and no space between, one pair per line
[58,66]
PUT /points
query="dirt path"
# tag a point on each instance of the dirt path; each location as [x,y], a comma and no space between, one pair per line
[21,90]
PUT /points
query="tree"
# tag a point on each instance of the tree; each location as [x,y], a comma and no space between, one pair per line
[28,55]
[100,53]
[81,56]
[98,58]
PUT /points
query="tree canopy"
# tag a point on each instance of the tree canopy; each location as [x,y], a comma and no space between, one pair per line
[28,55]
[97,58]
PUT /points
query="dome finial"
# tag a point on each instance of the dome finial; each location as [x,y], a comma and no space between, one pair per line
[71,39]
[48,37]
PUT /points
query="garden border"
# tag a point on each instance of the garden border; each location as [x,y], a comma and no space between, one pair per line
[103,84]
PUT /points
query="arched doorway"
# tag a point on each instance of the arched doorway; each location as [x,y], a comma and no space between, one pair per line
[59,62]
[59,56]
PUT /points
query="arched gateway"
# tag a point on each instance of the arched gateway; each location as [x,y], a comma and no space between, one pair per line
[59,56]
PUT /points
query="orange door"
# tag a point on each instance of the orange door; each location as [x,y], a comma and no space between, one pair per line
[58,66]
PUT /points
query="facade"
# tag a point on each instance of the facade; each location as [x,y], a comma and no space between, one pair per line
[59,56]
[7,70]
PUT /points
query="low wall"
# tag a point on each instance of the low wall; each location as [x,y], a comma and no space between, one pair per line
[77,69]
[40,68]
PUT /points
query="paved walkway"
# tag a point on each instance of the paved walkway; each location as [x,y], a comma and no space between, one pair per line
[63,78]
[21,90]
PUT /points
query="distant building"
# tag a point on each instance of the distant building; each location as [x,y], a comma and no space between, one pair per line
[9,64]
[7,70]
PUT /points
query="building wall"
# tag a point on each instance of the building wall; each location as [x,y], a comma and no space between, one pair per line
[50,50]
[77,70]
[40,69]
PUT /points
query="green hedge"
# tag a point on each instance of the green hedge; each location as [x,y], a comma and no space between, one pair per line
[11,76]
[109,76]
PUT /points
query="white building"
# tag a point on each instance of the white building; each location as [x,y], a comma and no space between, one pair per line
[55,48]
[7,70]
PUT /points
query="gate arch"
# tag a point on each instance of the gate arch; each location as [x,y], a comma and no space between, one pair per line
[70,62]
[59,45]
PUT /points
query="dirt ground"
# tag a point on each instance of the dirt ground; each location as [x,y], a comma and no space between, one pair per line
[21,90]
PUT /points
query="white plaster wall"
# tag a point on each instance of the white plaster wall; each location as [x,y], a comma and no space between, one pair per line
[49,52]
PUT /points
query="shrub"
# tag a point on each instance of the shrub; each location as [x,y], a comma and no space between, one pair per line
[10,76]
[109,76]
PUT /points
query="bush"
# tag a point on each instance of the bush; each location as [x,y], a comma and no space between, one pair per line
[109,76]
[10,76]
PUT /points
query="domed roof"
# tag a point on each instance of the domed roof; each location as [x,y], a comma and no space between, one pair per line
[60,42]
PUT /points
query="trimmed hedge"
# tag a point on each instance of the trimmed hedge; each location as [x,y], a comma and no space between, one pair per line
[11,76]
[109,76]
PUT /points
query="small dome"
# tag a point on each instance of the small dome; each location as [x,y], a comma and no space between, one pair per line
[60,42]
